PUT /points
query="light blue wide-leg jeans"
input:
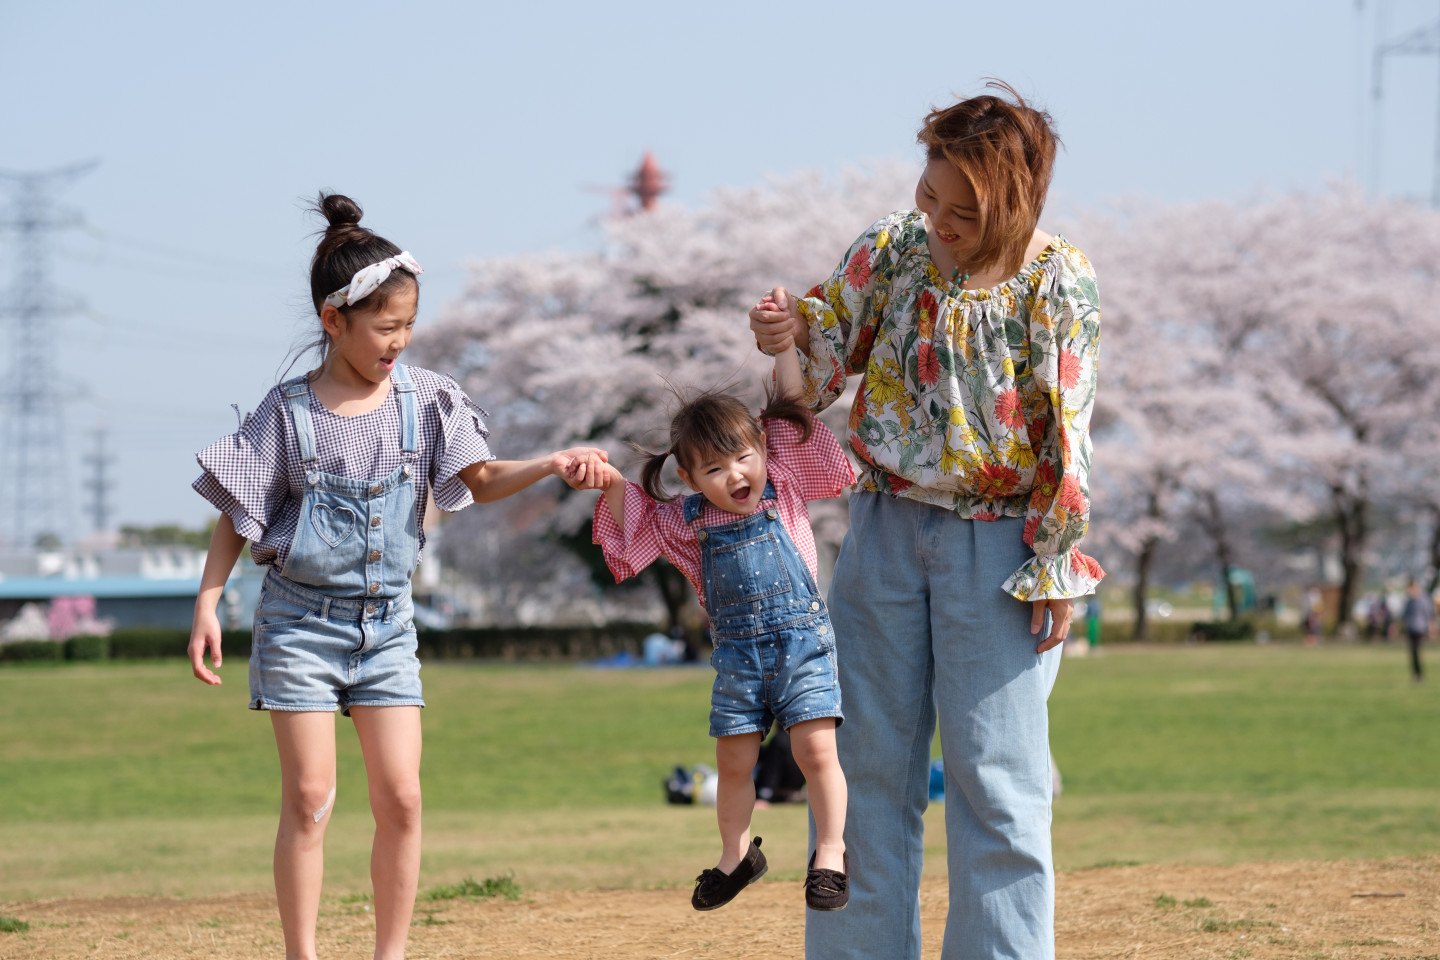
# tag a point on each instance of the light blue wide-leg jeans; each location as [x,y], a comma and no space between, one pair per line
[922,626]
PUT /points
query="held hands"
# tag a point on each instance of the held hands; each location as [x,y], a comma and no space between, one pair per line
[584,468]
[1061,613]
[777,324]
[205,634]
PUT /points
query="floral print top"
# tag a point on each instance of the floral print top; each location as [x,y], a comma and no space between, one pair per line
[977,401]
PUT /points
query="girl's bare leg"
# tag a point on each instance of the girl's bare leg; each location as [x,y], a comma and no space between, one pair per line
[813,743]
[306,742]
[390,740]
[735,795]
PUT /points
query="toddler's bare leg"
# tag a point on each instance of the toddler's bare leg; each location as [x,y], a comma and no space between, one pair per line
[813,743]
[735,795]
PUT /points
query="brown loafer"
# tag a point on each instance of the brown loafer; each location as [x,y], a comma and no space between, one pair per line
[714,889]
[827,889]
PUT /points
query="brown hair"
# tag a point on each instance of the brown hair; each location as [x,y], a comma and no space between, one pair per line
[344,250]
[1006,149]
[715,423]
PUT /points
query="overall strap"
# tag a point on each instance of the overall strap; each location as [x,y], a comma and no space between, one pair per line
[769,493]
[693,504]
[409,427]
[297,398]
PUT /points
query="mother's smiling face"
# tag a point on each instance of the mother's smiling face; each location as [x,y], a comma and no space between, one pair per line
[952,211]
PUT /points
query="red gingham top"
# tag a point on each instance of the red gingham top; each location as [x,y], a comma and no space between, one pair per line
[815,470]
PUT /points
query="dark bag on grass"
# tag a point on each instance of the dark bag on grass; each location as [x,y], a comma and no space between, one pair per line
[680,787]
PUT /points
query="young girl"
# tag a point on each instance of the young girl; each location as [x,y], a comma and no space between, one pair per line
[743,540]
[327,479]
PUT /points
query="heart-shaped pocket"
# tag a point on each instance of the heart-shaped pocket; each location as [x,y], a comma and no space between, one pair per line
[333,525]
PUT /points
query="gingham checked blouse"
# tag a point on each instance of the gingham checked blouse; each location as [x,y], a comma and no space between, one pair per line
[814,470]
[255,474]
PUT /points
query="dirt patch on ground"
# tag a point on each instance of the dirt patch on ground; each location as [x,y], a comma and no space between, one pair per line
[1375,910]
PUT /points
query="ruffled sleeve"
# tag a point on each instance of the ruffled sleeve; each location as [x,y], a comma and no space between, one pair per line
[819,466]
[843,312]
[639,544]
[244,473]
[462,442]
[1064,350]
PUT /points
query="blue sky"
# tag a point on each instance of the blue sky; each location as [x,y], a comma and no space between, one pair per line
[478,130]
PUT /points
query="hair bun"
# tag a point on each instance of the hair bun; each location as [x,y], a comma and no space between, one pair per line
[338,210]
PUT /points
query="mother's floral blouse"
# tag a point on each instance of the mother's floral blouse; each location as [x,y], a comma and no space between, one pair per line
[974,400]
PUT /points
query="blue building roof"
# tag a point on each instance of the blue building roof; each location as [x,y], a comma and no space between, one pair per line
[101,588]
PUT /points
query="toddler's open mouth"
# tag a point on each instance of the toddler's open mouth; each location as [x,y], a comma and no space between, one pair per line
[741,494]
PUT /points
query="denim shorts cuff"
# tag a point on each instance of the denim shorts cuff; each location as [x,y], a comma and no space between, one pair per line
[260,703]
[740,731]
[346,705]
[817,715]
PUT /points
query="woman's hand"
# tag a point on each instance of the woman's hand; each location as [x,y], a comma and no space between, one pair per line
[205,634]
[1061,613]
[777,324]
[583,468]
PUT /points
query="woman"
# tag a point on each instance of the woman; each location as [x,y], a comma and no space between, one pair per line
[976,335]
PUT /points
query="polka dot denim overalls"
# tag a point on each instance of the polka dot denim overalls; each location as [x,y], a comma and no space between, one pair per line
[774,648]
[334,628]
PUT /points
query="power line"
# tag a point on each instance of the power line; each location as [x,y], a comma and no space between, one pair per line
[32,487]
[1422,41]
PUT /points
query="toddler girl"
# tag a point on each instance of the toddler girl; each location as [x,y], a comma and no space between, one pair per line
[743,540]
[327,479]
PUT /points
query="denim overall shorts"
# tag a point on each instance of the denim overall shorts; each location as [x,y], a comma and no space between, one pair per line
[334,628]
[774,648]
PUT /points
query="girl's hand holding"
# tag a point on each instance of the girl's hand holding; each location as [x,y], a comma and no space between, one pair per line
[777,324]
[583,468]
[205,634]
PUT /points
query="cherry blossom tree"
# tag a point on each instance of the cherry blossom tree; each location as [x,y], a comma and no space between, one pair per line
[1174,427]
[1330,306]
[1286,347]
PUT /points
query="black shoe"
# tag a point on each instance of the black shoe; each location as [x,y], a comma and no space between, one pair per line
[714,889]
[827,889]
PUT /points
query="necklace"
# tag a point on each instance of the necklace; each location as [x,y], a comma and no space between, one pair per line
[956,276]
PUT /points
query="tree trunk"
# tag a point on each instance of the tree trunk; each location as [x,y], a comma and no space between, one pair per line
[1434,549]
[1214,521]
[1142,588]
[1142,573]
[1352,517]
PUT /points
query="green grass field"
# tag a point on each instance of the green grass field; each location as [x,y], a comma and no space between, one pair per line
[135,778]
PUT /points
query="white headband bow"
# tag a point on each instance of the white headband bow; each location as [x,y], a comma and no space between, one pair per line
[365,281]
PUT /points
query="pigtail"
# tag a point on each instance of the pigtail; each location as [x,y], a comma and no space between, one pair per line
[782,407]
[650,475]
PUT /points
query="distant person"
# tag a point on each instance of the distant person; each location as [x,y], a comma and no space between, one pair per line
[743,540]
[1377,618]
[975,339]
[1418,618]
[327,479]
[1310,616]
